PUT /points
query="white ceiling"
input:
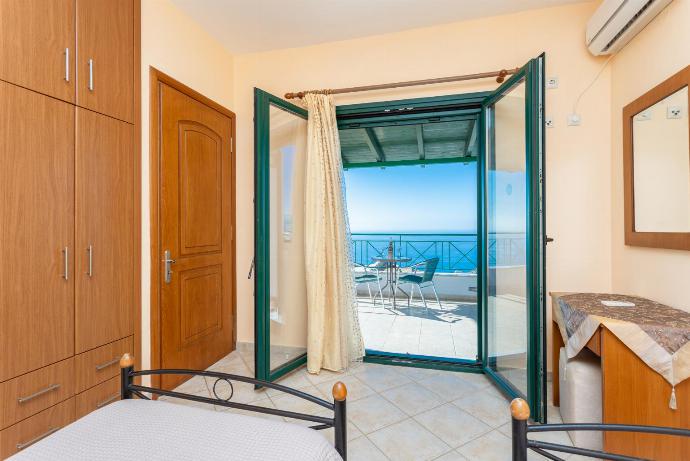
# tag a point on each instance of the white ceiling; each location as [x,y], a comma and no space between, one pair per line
[246,26]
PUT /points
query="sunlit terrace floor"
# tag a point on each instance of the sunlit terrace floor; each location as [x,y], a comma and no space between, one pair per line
[448,330]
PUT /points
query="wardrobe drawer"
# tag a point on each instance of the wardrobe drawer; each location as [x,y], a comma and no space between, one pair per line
[28,394]
[98,397]
[98,365]
[31,430]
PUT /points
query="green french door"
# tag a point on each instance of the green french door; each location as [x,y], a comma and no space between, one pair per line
[513,248]
[280,316]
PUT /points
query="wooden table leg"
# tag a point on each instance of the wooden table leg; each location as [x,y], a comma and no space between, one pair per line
[557,343]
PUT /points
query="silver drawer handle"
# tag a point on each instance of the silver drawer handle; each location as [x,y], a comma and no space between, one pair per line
[108,400]
[21,446]
[50,388]
[107,364]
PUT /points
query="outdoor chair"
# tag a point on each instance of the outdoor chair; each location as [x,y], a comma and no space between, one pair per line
[426,279]
[369,277]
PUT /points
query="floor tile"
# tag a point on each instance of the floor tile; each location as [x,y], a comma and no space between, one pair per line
[381,378]
[373,412]
[356,389]
[290,402]
[492,446]
[412,398]
[449,386]
[489,409]
[361,449]
[408,440]
[451,456]
[452,425]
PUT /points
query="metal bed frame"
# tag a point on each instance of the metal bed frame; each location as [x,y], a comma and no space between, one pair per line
[519,410]
[128,390]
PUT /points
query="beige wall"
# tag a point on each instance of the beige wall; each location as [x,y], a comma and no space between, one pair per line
[174,44]
[578,158]
[659,51]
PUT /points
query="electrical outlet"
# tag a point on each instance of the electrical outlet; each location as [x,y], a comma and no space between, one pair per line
[644,116]
[548,122]
[552,83]
[674,112]
[574,120]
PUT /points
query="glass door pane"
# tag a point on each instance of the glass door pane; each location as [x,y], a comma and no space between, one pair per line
[506,203]
[281,305]
[513,254]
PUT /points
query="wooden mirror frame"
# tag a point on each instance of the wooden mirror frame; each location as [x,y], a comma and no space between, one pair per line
[670,240]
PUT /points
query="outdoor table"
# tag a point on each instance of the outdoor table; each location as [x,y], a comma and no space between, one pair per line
[392,265]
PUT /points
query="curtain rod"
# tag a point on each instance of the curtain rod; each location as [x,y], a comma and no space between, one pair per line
[499,74]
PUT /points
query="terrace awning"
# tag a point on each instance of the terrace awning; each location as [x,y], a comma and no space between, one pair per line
[424,142]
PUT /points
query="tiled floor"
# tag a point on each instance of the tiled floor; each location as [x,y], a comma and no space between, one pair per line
[395,413]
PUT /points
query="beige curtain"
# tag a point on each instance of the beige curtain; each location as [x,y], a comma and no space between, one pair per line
[334,338]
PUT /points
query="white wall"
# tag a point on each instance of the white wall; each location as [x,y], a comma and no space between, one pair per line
[658,52]
[179,47]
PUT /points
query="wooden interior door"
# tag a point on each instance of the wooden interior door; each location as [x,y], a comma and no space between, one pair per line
[105,230]
[37,45]
[36,227]
[105,38]
[196,214]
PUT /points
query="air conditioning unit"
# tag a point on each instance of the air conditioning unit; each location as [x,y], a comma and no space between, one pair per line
[616,22]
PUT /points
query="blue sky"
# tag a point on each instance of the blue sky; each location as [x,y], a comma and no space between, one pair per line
[433,199]
[439,198]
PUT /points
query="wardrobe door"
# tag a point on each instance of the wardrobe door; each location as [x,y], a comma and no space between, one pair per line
[36,230]
[37,45]
[105,232]
[105,37]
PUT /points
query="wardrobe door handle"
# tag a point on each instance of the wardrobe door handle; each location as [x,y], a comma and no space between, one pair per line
[22,445]
[67,64]
[90,74]
[50,388]
[65,252]
[89,251]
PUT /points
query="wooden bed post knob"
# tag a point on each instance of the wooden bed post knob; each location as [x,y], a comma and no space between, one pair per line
[519,409]
[127,360]
[339,391]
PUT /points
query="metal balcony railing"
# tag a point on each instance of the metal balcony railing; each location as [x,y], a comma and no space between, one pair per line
[456,252]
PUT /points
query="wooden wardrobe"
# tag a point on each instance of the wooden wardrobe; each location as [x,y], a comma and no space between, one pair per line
[69,211]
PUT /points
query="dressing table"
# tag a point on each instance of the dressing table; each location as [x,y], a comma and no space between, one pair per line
[632,391]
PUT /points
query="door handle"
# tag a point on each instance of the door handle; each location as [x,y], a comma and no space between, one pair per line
[90,74]
[89,251]
[67,64]
[548,240]
[65,252]
[168,264]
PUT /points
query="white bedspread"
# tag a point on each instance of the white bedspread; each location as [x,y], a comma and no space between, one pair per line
[152,430]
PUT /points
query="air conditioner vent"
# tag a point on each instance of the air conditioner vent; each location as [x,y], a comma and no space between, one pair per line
[628,25]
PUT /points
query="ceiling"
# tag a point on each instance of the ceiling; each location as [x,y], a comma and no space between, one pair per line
[421,143]
[246,26]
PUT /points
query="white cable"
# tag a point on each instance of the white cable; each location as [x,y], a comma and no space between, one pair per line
[596,77]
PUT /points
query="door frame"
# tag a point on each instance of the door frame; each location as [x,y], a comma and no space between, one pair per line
[444,108]
[535,251]
[156,77]
[262,323]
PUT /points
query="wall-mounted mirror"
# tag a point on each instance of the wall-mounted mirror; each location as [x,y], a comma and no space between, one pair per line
[656,144]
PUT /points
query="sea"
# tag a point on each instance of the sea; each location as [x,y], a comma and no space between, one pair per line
[457,251]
